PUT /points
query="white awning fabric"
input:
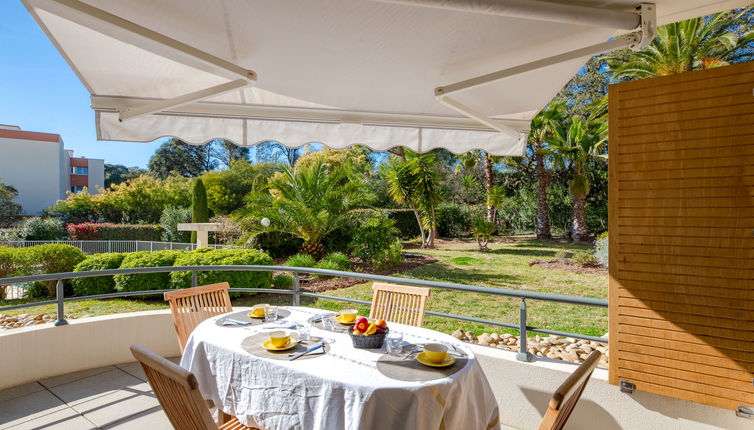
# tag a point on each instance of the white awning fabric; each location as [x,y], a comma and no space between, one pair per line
[337,72]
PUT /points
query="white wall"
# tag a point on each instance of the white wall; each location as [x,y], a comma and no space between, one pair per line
[96,175]
[524,389]
[34,169]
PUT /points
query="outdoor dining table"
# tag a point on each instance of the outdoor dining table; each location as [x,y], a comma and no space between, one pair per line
[342,388]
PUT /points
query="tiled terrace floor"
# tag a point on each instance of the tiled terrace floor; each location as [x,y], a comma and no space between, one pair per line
[113,397]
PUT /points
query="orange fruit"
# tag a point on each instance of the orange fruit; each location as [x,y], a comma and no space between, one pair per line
[381,323]
[372,329]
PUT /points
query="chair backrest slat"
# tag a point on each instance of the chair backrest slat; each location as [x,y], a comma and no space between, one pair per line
[564,399]
[177,391]
[191,306]
[399,303]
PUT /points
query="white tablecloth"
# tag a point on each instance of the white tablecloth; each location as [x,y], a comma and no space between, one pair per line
[340,390]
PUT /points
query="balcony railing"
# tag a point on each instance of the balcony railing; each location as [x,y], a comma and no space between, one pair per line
[296,294]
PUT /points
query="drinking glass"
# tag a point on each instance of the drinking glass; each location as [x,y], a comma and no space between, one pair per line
[271,313]
[303,331]
[328,323]
[394,343]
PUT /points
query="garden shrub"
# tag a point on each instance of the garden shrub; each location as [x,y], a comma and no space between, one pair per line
[169,220]
[100,284]
[150,281]
[336,259]
[83,231]
[42,229]
[54,258]
[199,209]
[452,220]
[301,260]
[600,249]
[13,262]
[563,256]
[221,257]
[147,232]
[283,281]
[276,244]
[373,236]
[586,259]
[405,222]
[390,256]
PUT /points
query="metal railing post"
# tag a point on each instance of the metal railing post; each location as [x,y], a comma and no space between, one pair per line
[296,290]
[59,292]
[523,348]
[193,279]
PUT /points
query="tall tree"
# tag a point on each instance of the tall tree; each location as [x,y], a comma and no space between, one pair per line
[199,209]
[542,128]
[275,152]
[576,143]
[176,156]
[310,202]
[8,208]
[698,43]
[469,159]
[228,152]
[117,173]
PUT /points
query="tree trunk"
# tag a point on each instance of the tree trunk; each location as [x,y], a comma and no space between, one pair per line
[490,183]
[543,181]
[421,228]
[579,231]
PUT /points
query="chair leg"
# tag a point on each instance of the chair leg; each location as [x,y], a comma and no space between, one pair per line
[222,417]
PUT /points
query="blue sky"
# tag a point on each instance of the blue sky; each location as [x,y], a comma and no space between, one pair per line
[39,92]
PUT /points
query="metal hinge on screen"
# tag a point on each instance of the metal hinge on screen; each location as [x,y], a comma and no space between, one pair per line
[637,40]
[627,387]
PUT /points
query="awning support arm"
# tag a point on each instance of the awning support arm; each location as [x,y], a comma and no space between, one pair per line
[478,116]
[161,105]
[144,38]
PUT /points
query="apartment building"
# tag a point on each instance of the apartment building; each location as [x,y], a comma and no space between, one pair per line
[42,170]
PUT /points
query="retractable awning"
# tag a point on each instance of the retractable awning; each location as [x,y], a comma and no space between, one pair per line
[424,74]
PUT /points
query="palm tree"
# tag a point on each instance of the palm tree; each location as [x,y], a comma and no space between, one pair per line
[310,202]
[542,127]
[469,159]
[495,199]
[415,182]
[699,43]
[573,145]
[469,184]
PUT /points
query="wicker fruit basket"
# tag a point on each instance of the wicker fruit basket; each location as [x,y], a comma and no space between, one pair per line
[371,341]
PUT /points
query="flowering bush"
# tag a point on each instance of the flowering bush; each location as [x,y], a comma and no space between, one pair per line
[83,231]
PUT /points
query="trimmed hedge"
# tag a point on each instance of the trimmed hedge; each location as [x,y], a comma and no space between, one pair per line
[54,258]
[405,222]
[107,231]
[452,220]
[151,281]
[100,284]
[216,257]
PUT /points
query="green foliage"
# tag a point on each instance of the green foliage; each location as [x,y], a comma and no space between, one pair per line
[389,257]
[219,257]
[334,261]
[301,260]
[375,233]
[13,262]
[698,43]
[109,231]
[310,202]
[169,220]
[564,256]
[117,173]
[199,209]
[452,220]
[405,222]
[586,259]
[227,188]
[276,243]
[482,229]
[54,258]
[177,157]
[151,281]
[100,284]
[37,228]
[601,250]
[8,208]
[283,281]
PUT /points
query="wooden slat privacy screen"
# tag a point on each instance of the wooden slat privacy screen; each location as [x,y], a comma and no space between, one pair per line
[681,216]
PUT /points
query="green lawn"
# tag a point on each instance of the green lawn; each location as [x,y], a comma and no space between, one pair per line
[506,265]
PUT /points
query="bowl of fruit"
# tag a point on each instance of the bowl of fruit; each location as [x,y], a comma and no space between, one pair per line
[368,334]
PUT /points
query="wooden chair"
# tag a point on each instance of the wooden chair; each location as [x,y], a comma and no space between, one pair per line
[178,393]
[568,394]
[191,306]
[399,303]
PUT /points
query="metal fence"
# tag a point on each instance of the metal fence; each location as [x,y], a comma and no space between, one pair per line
[296,294]
[102,246]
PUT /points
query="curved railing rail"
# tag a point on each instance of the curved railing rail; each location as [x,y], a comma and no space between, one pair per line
[296,293]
